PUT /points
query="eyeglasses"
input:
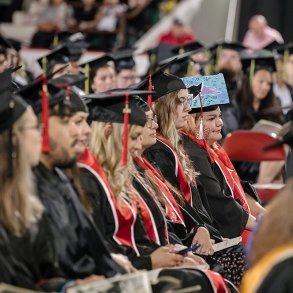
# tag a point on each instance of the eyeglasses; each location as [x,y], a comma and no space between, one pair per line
[149,121]
[185,101]
[38,127]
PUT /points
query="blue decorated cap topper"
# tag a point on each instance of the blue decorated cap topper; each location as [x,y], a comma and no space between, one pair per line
[212,87]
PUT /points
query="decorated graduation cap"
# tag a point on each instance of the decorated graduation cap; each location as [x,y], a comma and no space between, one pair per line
[90,67]
[262,59]
[208,93]
[120,107]
[65,82]
[124,59]
[11,109]
[59,55]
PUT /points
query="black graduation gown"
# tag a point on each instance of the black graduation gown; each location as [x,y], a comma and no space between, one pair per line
[30,259]
[80,246]
[104,220]
[231,217]
[163,160]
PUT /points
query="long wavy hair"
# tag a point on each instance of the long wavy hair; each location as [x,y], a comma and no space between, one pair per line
[276,227]
[107,149]
[269,109]
[19,207]
[165,108]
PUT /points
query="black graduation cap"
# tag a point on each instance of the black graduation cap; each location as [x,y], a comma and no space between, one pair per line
[258,60]
[11,109]
[272,46]
[91,66]
[32,94]
[191,46]
[147,83]
[109,106]
[285,50]
[59,55]
[215,49]
[10,43]
[152,55]
[65,82]
[180,66]
[124,59]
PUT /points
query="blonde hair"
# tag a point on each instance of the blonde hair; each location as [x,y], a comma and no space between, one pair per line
[19,207]
[165,108]
[276,227]
[108,151]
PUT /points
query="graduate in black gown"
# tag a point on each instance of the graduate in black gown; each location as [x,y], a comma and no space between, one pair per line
[81,249]
[27,254]
[232,208]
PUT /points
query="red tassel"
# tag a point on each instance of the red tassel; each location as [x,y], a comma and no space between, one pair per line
[45,116]
[150,88]
[126,112]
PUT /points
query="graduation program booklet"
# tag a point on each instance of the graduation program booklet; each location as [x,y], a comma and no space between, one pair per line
[269,127]
[6,288]
[227,243]
[137,282]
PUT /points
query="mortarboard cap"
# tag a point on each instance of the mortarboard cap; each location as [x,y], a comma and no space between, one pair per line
[262,59]
[11,107]
[272,46]
[109,106]
[32,94]
[124,59]
[145,83]
[179,66]
[65,82]
[208,92]
[59,55]
[191,46]
[90,67]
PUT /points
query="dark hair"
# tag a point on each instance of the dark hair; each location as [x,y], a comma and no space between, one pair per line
[269,109]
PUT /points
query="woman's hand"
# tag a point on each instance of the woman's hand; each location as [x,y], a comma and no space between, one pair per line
[165,257]
[202,237]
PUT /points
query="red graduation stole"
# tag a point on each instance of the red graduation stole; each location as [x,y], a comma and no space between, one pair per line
[219,156]
[147,217]
[124,212]
[172,210]
[181,177]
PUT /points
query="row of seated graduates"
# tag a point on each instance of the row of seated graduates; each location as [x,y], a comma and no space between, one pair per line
[64,230]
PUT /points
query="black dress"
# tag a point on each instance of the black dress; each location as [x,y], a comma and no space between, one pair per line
[80,246]
[231,217]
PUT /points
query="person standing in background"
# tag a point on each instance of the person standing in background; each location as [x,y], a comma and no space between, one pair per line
[260,34]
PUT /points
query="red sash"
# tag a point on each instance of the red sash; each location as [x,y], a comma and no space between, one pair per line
[124,213]
[217,282]
[219,156]
[148,219]
[172,211]
[179,172]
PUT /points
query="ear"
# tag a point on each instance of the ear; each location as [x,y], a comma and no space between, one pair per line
[108,129]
